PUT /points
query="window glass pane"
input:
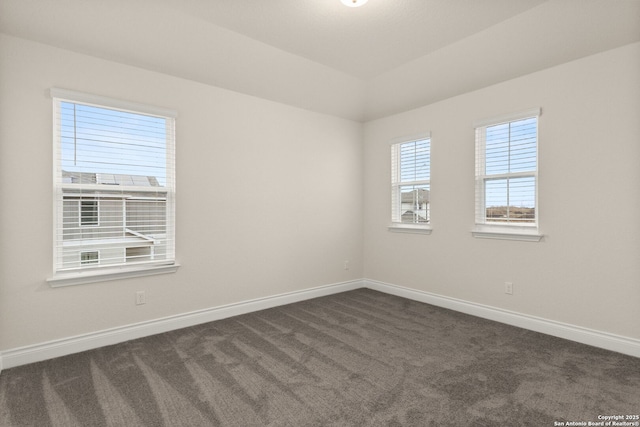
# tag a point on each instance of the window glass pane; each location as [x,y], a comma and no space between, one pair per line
[522,194]
[497,149]
[496,199]
[414,203]
[138,254]
[415,161]
[506,171]
[511,147]
[510,200]
[110,146]
[523,145]
[114,187]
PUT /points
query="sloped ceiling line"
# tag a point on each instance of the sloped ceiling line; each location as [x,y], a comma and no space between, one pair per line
[356,63]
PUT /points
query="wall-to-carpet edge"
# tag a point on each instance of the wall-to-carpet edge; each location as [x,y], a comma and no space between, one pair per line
[48,350]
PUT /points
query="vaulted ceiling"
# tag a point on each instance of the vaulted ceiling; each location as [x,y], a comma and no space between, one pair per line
[358,63]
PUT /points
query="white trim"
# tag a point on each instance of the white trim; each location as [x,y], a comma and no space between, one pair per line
[103,101]
[65,346]
[118,191]
[62,347]
[410,228]
[84,276]
[508,232]
[612,342]
[411,138]
[140,235]
[509,117]
[80,196]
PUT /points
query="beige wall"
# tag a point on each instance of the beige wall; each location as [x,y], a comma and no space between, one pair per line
[269,198]
[586,271]
[272,199]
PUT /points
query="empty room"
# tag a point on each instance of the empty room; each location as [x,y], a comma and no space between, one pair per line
[319,213]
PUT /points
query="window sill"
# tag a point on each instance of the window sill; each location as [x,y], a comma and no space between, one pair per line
[524,234]
[410,228]
[84,277]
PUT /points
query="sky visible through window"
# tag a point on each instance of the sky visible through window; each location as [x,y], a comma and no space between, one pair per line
[105,141]
[511,148]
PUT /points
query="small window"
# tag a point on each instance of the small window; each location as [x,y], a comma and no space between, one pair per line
[411,183]
[89,257]
[507,172]
[89,213]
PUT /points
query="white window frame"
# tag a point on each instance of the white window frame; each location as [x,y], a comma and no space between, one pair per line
[396,224]
[90,275]
[502,231]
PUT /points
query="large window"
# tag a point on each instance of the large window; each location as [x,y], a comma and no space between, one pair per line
[411,184]
[507,172]
[114,187]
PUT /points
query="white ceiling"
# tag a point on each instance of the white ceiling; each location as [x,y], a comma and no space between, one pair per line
[363,42]
[357,63]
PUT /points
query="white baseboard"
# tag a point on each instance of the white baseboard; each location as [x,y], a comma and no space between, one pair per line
[617,343]
[62,347]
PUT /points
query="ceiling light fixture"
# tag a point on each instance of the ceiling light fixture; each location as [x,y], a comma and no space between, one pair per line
[353,3]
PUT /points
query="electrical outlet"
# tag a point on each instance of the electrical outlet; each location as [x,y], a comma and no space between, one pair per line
[346,265]
[508,288]
[140,298]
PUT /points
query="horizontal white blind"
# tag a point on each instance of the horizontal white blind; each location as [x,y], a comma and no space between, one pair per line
[411,181]
[114,186]
[506,172]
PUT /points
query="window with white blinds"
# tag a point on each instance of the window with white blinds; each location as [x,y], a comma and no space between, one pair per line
[114,183]
[411,182]
[507,170]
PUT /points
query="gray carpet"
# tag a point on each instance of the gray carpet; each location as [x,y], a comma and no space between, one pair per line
[360,358]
